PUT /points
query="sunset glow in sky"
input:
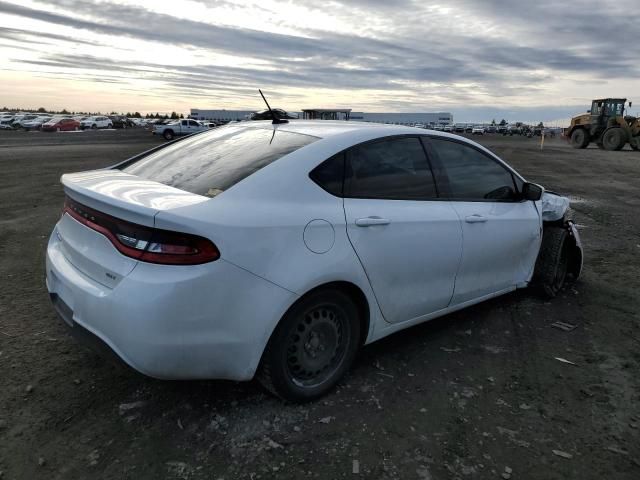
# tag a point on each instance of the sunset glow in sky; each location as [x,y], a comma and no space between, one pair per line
[479,59]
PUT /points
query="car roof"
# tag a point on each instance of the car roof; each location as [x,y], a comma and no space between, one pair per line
[330,128]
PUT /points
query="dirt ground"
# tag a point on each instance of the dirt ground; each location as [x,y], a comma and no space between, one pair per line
[476,394]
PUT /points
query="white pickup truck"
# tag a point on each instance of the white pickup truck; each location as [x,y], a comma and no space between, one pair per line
[179,127]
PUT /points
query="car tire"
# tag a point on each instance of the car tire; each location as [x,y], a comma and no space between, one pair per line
[579,138]
[613,139]
[552,265]
[94,127]
[312,347]
[168,134]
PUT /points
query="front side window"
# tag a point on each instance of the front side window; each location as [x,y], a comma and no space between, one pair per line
[596,108]
[192,123]
[472,175]
[394,169]
[211,162]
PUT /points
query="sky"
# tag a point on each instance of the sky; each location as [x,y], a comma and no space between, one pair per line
[540,60]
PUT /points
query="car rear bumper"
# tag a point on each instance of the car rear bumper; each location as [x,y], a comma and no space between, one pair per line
[80,333]
[171,322]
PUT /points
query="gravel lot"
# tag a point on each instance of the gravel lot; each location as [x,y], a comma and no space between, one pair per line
[476,394]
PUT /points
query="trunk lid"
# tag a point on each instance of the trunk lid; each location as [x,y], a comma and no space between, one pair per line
[119,195]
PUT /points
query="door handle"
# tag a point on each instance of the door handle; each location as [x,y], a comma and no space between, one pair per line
[475,218]
[371,221]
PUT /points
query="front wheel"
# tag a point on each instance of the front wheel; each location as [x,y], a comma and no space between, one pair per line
[635,143]
[552,265]
[168,135]
[312,347]
[94,127]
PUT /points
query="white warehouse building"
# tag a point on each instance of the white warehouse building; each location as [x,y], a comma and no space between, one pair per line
[437,118]
[220,115]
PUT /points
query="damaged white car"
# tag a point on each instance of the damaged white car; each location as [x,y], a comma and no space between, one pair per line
[278,249]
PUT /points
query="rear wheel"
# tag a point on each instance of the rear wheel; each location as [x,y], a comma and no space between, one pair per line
[312,347]
[635,143]
[552,265]
[613,139]
[579,138]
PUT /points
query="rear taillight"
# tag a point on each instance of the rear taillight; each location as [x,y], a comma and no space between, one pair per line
[144,243]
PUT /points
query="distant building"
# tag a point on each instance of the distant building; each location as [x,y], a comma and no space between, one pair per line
[220,115]
[437,118]
[326,113]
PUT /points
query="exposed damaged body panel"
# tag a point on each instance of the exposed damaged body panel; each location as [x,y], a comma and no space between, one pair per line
[554,206]
[561,250]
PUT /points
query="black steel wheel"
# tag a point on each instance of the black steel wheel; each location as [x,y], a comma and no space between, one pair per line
[579,138]
[312,347]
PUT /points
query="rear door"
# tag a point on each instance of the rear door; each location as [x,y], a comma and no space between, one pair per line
[407,239]
[501,232]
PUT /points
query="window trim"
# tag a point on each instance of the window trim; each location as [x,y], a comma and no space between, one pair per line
[441,175]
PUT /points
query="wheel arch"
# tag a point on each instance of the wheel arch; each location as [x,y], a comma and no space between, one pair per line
[350,289]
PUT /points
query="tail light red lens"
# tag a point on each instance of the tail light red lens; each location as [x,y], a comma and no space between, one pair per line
[144,243]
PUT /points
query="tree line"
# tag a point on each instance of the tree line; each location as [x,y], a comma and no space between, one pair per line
[64,111]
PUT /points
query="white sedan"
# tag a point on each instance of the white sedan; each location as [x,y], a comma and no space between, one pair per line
[95,122]
[277,251]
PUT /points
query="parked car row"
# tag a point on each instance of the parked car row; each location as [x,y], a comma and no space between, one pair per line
[481,129]
[50,122]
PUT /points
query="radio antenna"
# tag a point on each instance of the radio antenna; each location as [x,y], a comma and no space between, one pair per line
[274,116]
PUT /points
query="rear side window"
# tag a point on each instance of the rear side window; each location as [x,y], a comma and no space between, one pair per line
[394,169]
[472,175]
[330,174]
[209,163]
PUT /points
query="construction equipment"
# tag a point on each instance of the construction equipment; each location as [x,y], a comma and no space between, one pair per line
[606,125]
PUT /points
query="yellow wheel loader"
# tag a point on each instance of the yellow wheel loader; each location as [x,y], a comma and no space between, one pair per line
[606,125]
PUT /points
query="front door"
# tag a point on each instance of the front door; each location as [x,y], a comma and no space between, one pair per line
[501,233]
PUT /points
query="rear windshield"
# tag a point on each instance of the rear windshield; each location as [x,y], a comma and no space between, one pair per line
[212,162]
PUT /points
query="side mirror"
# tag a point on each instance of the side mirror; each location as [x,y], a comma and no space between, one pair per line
[630,103]
[531,191]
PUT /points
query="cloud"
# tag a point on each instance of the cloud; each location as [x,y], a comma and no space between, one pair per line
[397,54]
